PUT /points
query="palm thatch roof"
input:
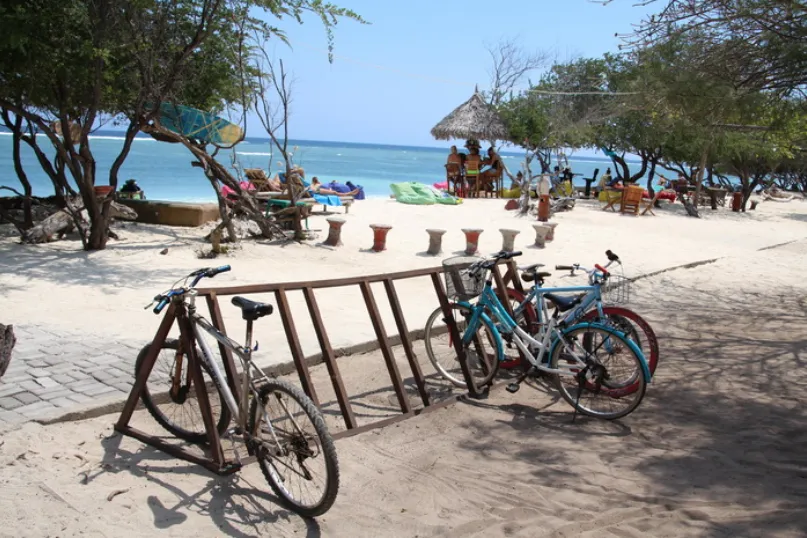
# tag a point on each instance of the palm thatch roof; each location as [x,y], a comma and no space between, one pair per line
[474,119]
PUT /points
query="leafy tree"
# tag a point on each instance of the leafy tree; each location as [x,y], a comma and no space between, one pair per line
[753,44]
[68,66]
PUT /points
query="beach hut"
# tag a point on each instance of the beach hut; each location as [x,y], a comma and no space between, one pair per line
[472,120]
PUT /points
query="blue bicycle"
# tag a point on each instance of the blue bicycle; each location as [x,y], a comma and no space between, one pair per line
[596,368]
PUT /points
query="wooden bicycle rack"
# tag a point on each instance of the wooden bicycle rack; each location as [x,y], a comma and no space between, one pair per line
[216,461]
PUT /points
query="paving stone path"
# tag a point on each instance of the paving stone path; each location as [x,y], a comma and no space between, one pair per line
[53,373]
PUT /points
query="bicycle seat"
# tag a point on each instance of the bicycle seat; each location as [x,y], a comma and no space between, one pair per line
[564,303]
[530,268]
[530,276]
[252,310]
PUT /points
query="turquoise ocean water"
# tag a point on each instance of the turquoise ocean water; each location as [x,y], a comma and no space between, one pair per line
[164,171]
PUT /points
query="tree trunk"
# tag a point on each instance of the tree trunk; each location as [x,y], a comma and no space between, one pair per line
[642,170]
[64,221]
[7,341]
[28,219]
[650,178]
[701,170]
[619,163]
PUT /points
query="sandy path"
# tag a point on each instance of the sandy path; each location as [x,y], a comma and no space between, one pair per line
[103,293]
[717,448]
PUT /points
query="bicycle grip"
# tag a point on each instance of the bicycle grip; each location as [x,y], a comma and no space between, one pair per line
[160,305]
[216,270]
[602,269]
[564,268]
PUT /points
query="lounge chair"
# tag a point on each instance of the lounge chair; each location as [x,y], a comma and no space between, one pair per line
[258,178]
[346,201]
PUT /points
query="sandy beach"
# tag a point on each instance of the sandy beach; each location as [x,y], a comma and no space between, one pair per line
[716,449]
[113,286]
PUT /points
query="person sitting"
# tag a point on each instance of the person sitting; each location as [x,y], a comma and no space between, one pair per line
[454,157]
[317,188]
[492,164]
[131,190]
[605,179]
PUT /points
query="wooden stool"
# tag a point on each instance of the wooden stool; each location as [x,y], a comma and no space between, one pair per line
[541,231]
[472,240]
[508,239]
[380,236]
[335,231]
[435,241]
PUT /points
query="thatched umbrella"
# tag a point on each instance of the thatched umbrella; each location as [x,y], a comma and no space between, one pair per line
[472,120]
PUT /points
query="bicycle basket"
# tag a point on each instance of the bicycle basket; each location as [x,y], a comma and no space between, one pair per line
[616,290]
[460,284]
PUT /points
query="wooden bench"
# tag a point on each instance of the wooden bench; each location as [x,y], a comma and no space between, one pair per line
[347,201]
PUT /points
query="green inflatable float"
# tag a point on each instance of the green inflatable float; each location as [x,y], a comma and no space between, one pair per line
[420,194]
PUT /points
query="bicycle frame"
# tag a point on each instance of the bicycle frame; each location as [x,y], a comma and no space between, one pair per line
[536,294]
[489,300]
[197,323]
[551,336]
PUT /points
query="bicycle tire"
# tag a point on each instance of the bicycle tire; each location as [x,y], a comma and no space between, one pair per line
[327,449]
[649,334]
[487,367]
[636,390]
[198,435]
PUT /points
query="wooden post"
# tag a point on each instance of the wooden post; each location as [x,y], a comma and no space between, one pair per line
[329,358]
[386,349]
[456,337]
[406,343]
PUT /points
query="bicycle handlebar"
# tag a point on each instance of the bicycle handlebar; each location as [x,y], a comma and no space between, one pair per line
[493,260]
[164,298]
[612,258]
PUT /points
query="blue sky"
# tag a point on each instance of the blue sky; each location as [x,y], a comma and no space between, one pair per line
[392,80]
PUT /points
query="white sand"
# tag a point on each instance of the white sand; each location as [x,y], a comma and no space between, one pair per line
[716,449]
[104,293]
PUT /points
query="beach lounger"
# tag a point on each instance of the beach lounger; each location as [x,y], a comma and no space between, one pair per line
[345,201]
[277,207]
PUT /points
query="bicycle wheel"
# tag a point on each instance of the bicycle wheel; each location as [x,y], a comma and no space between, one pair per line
[635,327]
[612,384]
[483,353]
[173,404]
[294,445]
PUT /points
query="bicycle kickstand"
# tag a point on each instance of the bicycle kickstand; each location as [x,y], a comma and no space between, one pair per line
[581,379]
[513,387]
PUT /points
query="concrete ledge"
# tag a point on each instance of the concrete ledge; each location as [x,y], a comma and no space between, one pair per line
[172,213]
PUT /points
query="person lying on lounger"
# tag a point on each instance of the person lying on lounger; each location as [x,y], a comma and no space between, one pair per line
[318,188]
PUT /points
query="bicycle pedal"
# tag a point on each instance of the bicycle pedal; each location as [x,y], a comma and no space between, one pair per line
[512,388]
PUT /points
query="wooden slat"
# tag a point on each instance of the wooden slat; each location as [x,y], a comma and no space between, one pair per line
[386,349]
[320,284]
[226,353]
[179,452]
[294,344]
[145,368]
[403,416]
[329,358]
[406,343]
[501,290]
[195,369]
[512,278]
[455,335]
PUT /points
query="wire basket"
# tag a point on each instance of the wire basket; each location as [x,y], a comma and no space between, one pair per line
[616,290]
[460,284]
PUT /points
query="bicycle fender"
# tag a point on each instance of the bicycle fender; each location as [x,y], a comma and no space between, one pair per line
[631,344]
